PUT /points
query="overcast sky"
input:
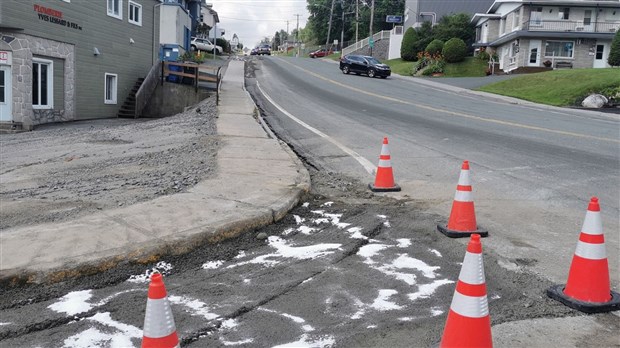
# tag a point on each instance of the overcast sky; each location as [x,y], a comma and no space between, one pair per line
[252,20]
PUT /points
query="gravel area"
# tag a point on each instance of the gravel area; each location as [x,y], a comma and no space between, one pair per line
[63,171]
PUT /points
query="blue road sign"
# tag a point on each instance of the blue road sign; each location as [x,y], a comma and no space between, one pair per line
[394,19]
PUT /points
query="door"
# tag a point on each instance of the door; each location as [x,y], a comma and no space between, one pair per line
[5,94]
[601,54]
[534,53]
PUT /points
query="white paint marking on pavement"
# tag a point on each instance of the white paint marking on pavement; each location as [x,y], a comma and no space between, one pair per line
[327,204]
[434,251]
[404,261]
[298,219]
[193,306]
[435,311]
[213,264]
[92,337]
[306,230]
[306,342]
[286,251]
[238,343]
[288,231]
[370,168]
[2,324]
[386,223]
[305,205]
[426,290]
[356,233]
[161,267]
[369,250]
[382,304]
[295,319]
[404,242]
[73,303]
[229,324]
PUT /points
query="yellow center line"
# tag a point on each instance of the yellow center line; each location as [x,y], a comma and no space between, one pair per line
[452,113]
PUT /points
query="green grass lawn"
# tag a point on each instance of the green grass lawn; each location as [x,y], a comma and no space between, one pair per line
[400,66]
[559,87]
[470,67]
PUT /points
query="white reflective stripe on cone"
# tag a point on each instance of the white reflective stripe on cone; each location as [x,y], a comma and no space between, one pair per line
[470,306]
[591,251]
[463,196]
[592,223]
[472,269]
[158,321]
[385,151]
[464,178]
[384,163]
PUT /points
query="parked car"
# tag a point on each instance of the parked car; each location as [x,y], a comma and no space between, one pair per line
[320,53]
[203,44]
[264,49]
[364,65]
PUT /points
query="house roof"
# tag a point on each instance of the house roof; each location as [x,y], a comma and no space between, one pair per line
[479,16]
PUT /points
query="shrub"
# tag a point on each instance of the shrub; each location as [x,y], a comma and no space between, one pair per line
[614,54]
[454,50]
[434,47]
[407,51]
[483,56]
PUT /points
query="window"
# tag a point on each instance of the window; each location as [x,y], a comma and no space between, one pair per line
[135,13]
[536,17]
[562,49]
[115,8]
[42,82]
[564,11]
[110,88]
[587,17]
[502,26]
[599,51]
[516,19]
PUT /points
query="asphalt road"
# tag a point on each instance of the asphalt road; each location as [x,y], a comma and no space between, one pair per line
[534,169]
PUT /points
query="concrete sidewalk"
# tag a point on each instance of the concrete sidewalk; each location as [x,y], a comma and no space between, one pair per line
[258,181]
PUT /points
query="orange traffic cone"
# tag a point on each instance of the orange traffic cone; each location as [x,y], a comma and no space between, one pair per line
[462,221]
[469,323]
[384,180]
[588,287]
[159,330]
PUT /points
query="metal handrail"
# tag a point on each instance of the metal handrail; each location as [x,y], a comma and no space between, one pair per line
[564,25]
[146,89]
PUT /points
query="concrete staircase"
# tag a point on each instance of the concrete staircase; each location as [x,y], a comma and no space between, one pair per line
[128,110]
[11,127]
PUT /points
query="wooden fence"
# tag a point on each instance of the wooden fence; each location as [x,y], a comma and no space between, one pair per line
[193,74]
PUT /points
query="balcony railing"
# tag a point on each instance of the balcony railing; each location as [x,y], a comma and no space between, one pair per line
[592,27]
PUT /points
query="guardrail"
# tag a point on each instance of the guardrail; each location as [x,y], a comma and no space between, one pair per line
[195,73]
[146,89]
[385,34]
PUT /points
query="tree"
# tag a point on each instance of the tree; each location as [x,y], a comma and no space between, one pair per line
[455,26]
[614,54]
[276,39]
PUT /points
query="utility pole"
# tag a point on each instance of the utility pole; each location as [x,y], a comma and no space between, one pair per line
[372,15]
[342,31]
[297,35]
[329,27]
[357,20]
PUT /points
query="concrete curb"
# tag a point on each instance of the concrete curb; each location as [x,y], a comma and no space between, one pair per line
[216,209]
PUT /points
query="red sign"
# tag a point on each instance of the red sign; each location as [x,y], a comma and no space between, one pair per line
[48,11]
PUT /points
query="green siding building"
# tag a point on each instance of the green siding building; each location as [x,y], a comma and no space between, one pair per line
[67,60]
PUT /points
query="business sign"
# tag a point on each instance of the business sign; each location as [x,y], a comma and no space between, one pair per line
[5,57]
[54,17]
[394,19]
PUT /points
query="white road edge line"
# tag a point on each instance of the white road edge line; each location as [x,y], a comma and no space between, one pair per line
[368,166]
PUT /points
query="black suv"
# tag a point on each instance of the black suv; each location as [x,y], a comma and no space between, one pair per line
[264,49]
[364,65]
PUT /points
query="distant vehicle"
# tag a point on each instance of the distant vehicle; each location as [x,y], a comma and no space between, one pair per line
[254,51]
[264,49]
[320,53]
[364,65]
[202,44]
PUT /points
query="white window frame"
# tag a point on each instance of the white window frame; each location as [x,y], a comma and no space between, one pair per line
[50,84]
[516,19]
[114,91]
[130,12]
[561,57]
[110,10]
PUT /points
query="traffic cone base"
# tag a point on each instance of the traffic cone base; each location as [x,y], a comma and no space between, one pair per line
[588,287]
[374,188]
[460,234]
[556,292]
